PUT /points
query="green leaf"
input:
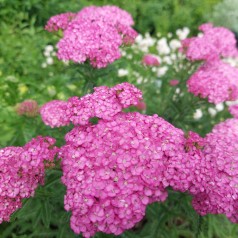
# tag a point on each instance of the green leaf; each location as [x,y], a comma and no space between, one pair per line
[45,212]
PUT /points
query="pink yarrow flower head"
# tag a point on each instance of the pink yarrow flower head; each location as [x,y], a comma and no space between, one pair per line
[233,109]
[182,169]
[22,169]
[215,42]
[104,103]
[113,169]
[29,108]
[59,22]
[150,60]
[217,81]
[220,195]
[95,34]
[141,105]
[53,113]
[174,82]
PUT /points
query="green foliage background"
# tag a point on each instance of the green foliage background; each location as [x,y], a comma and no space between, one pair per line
[22,42]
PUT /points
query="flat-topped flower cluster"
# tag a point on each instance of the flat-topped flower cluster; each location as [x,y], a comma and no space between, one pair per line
[215,79]
[94,34]
[22,169]
[114,168]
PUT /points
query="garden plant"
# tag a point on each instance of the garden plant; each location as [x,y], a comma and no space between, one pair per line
[128,134]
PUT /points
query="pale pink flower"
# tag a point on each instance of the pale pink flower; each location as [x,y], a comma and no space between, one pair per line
[150,60]
[174,82]
[29,108]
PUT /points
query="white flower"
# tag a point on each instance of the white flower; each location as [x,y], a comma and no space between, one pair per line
[49,48]
[186,31]
[122,72]
[174,44]
[46,53]
[200,34]
[65,62]
[162,46]
[162,71]
[143,44]
[177,90]
[43,65]
[229,103]
[197,114]
[169,35]
[158,34]
[173,56]
[167,60]
[158,83]
[49,60]
[182,33]
[219,107]
[139,80]
[123,53]
[51,90]
[212,111]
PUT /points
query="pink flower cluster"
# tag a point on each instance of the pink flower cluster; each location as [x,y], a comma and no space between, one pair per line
[233,109]
[103,103]
[150,60]
[214,43]
[53,113]
[215,80]
[113,169]
[29,108]
[94,34]
[60,22]
[21,171]
[220,165]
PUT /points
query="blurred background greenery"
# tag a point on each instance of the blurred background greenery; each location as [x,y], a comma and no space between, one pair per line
[26,74]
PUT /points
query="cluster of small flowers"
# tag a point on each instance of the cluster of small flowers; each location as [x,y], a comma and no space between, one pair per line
[215,79]
[182,170]
[94,34]
[113,169]
[21,171]
[59,22]
[49,53]
[220,193]
[150,60]
[29,108]
[103,103]
[215,42]
[53,113]
[233,109]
